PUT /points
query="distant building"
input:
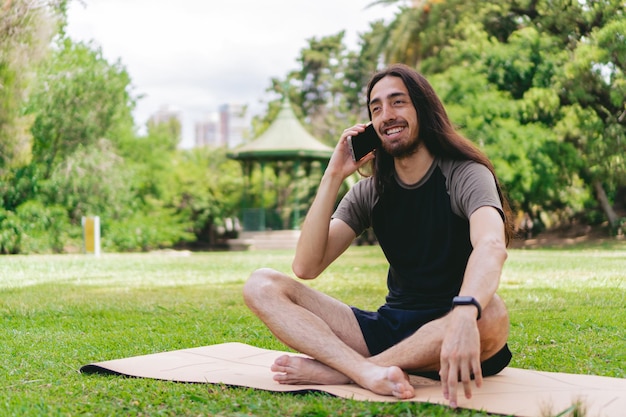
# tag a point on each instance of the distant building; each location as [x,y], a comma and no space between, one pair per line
[233,124]
[170,116]
[207,133]
[226,127]
[165,114]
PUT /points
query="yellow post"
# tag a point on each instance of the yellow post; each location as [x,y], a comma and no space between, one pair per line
[91,234]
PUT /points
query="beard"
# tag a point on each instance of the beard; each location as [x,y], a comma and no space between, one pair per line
[402,149]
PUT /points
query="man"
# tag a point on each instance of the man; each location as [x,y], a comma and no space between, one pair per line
[440,218]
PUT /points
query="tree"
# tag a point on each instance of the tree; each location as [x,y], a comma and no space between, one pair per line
[26,29]
[75,109]
[151,161]
[422,29]
[328,89]
[87,159]
[593,88]
[93,180]
[79,99]
[317,86]
[209,189]
[580,57]
[539,84]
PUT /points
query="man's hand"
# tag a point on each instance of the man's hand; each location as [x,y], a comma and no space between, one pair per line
[341,162]
[460,354]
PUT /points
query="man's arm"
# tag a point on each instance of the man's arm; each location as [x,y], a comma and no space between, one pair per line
[484,267]
[460,350]
[322,240]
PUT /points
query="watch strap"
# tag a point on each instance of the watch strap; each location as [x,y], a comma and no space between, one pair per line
[463,300]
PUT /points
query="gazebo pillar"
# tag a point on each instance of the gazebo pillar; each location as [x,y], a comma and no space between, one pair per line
[296,208]
[262,224]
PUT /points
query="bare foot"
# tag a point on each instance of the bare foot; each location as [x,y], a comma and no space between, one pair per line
[380,380]
[299,371]
[388,381]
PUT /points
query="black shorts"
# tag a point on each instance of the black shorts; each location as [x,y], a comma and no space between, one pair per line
[388,326]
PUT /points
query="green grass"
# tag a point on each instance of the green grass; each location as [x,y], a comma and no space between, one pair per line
[58,313]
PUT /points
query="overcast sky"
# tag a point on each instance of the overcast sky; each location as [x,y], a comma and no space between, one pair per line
[195,55]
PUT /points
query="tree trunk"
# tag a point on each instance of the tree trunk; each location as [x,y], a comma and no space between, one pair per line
[605,204]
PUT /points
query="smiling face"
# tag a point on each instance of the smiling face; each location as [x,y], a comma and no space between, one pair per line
[394,117]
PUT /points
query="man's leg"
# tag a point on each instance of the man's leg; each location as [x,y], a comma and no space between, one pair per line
[422,350]
[323,328]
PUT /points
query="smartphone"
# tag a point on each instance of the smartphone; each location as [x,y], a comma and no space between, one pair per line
[363,143]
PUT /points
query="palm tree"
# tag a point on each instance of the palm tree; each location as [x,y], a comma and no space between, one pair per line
[403,39]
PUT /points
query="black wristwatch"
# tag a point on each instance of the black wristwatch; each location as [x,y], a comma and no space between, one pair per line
[464,300]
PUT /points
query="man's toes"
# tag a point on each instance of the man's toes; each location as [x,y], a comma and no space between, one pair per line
[282,360]
[281,378]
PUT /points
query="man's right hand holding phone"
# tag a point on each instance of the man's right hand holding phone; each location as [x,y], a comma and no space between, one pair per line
[363,143]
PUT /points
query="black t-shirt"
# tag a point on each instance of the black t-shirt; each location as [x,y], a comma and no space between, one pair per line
[423,229]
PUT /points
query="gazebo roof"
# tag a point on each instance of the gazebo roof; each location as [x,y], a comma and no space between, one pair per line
[285,139]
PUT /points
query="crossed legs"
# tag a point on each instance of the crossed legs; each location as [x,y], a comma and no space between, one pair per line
[323,328]
[326,329]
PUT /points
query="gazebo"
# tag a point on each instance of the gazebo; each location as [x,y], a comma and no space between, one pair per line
[285,146]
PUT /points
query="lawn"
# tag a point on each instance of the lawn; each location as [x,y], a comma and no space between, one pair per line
[567,307]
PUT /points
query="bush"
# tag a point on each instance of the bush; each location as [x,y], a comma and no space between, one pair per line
[10,232]
[152,229]
[34,228]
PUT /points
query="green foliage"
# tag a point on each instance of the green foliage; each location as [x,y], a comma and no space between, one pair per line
[18,186]
[91,181]
[10,232]
[79,99]
[209,188]
[318,86]
[86,161]
[151,227]
[517,150]
[26,28]
[538,85]
[34,228]
[149,161]
[327,89]
[45,229]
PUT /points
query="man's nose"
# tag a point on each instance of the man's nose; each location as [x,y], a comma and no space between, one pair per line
[388,113]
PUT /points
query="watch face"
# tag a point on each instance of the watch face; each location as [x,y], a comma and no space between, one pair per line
[463,300]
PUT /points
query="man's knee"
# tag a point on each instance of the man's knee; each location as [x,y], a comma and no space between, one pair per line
[262,284]
[494,325]
[496,310]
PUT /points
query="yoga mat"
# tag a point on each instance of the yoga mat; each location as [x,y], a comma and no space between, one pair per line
[514,391]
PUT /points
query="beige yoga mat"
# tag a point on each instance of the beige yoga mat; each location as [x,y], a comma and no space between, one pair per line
[514,391]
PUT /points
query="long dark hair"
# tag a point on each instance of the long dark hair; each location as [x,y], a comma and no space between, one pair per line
[436,132]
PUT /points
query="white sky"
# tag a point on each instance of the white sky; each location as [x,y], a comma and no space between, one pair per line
[195,55]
